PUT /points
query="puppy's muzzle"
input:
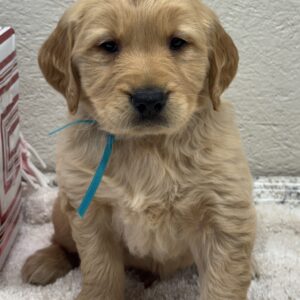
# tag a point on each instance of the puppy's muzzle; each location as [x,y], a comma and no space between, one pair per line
[149,102]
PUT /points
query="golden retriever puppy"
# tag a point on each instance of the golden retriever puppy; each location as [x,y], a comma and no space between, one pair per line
[178,189]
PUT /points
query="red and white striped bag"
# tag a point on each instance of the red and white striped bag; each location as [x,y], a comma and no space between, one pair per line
[10,150]
[15,165]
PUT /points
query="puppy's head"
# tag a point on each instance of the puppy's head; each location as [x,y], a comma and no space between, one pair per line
[140,66]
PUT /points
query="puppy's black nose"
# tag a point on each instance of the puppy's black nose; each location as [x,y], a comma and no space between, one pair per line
[149,102]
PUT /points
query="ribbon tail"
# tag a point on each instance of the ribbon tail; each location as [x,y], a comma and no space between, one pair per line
[96,181]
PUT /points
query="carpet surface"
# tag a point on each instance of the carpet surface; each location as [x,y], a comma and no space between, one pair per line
[277,252]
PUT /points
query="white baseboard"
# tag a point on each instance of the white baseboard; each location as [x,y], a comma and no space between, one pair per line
[277,189]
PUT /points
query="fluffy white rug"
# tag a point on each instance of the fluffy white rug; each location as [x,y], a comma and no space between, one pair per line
[277,252]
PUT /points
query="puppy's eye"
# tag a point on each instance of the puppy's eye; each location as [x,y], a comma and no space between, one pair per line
[177,44]
[110,47]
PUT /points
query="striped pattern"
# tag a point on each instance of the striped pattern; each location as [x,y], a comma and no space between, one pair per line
[10,166]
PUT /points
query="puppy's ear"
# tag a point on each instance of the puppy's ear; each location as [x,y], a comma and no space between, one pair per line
[55,60]
[224,59]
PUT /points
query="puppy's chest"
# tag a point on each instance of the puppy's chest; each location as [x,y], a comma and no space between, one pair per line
[151,230]
[149,218]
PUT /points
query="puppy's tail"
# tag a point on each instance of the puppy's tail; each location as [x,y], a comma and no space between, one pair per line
[49,264]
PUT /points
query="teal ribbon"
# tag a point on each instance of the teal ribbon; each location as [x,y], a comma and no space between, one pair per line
[97,179]
[77,122]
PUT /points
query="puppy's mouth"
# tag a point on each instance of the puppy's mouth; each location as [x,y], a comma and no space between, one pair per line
[150,121]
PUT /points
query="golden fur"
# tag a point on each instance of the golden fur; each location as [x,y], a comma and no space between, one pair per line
[175,193]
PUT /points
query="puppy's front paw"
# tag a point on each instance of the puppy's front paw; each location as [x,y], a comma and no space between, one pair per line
[89,296]
[94,293]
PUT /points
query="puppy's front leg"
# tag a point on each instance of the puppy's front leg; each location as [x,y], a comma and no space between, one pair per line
[222,253]
[101,257]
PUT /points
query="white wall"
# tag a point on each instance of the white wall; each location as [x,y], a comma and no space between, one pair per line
[266,91]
